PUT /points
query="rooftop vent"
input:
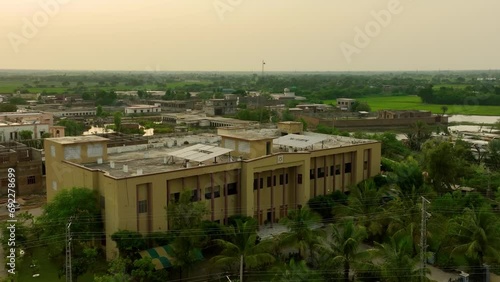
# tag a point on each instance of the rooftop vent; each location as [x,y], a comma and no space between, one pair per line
[125,168]
[112,164]
[99,160]
[139,171]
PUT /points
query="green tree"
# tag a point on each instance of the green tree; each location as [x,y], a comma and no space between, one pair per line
[26,134]
[418,133]
[475,234]
[296,271]
[444,109]
[99,111]
[396,262]
[4,107]
[144,271]
[183,217]
[342,247]
[493,157]
[243,244]
[117,119]
[129,243]
[302,230]
[117,272]
[446,163]
[72,128]
[365,205]
[80,206]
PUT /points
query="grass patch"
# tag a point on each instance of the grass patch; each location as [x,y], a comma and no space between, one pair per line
[414,103]
[49,270]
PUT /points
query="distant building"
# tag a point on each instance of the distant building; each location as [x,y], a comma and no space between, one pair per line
[345,104]
[73,112]
[287,95]
[29,167]
[221,107]
[11,131]
[175,105]
[390,114]
[143,109]
[28,118]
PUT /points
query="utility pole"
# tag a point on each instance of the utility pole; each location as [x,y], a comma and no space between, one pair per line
[241,268]
[423,236]
[69,276]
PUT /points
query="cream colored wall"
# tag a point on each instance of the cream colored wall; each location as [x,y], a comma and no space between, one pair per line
[121,194]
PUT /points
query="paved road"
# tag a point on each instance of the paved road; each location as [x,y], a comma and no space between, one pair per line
[3,213]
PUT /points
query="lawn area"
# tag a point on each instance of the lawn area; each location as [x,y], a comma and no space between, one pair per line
[48,270]
[414,103]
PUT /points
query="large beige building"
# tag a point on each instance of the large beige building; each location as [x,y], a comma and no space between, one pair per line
[257,173]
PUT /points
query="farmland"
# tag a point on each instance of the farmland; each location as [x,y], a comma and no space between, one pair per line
[414,103]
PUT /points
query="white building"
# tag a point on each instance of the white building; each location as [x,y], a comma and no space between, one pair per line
[75,113]
[11,131]
[143,109]
[345,104]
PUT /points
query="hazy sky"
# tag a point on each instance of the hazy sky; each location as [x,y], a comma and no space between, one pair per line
[226,35]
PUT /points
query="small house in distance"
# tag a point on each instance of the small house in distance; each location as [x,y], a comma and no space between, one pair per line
[345,104]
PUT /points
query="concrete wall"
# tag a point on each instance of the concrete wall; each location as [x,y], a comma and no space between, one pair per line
[269,201]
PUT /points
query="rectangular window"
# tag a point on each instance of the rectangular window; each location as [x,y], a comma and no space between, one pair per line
[31,179]
[217,191]
[232,189]
[194,195]
[365,165]
[208,192]
[281,179]
[331,170]
[255,183]
[142,206]
[274,180]
[177,196]
[321,172]
[286,178]
[337,169]
[347,168]
[269,183]
[311,174]
[299,179]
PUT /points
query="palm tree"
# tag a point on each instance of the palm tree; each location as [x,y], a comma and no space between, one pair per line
[302,230]
[475,234]
[342,247]
[243,244]
[418,134]
[365,205]
[295,271]
[395,262]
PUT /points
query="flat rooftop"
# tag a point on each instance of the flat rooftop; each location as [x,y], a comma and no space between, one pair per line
[156,160]
[78,139]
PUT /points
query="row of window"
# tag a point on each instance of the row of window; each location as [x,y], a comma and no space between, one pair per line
[147,111]
[78,114]
[30,180]
[270,182]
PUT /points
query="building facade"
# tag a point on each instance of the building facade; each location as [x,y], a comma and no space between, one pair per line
[28,165]
[256,178]
[345,104]
[143,109]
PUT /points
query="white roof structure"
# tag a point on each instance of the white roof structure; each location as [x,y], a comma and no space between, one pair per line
[298,141]
[199,152]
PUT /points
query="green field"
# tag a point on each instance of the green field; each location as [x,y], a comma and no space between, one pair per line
[414,103]
[8,87]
